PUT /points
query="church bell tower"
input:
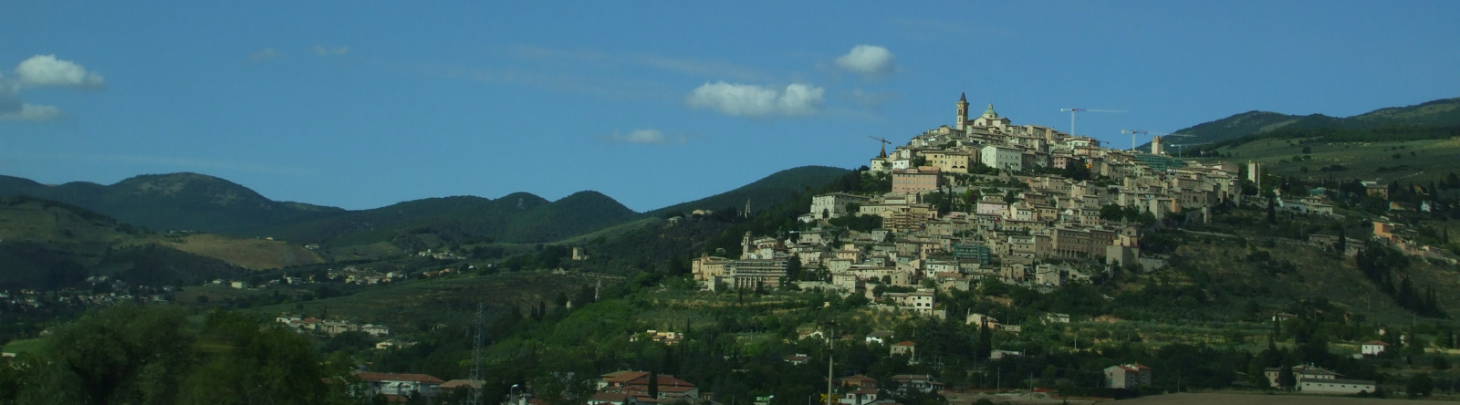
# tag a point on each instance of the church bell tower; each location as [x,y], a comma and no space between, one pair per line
[962,119]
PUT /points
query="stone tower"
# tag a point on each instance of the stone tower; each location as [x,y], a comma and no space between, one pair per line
[962,118]
[745,246]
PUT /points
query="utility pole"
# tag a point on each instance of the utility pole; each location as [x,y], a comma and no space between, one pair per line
[830,345]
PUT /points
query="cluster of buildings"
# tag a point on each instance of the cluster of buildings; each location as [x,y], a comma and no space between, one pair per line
[364,276]
[668,338]
[1403,239]
[330,327]
[1016,217]
[88,295]
[402,387]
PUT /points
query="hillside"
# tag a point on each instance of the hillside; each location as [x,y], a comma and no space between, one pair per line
[189,201]
[1318,159]
[178,201]
[45,244]
[763,193]
[1433,114]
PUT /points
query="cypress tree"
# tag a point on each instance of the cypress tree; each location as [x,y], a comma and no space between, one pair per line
[985,344]
[654,385]
[1286,379]
[1271,211]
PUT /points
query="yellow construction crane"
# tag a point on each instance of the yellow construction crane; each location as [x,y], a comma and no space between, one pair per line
[884,142]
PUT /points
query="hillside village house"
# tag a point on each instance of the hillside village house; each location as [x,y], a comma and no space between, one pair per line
[922,180]
[635,384]
[1127,376]
[1373,348]
[397,384]
[834,205]
[1312,379]
[920,382]
[904,348]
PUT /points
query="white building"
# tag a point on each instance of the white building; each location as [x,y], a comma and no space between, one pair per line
[1374,348]
[1334,386]
[1002,157]
[834,205]
[1126,376]
[398,384]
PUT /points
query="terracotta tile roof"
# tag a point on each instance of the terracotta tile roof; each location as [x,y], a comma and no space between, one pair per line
[454,384]
[421,378]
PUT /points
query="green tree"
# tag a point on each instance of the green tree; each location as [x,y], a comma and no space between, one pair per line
[1286,379]
[1271,211]
[984,345]
[124,354]
[1420,385]
[264,364]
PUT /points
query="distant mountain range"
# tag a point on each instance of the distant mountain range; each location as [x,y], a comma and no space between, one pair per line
[196,202]
[1443,113]
[178,201]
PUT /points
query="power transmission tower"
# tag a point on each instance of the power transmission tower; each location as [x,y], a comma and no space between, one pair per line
[478,340]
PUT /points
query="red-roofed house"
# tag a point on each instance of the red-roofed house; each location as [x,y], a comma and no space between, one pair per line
[636,384]
[1374,348]
[906,348]
[920,382]
[859,396]
[858,381]
[399,384]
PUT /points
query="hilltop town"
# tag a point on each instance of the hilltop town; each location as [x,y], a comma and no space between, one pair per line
[984,197]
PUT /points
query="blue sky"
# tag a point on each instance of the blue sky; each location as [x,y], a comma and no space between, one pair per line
[360,105]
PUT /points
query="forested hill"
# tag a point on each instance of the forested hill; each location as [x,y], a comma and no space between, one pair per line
[1442,113]
[177,201]
[763,193]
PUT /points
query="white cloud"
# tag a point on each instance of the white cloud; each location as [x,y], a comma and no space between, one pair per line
[31,112]
[46,70]
[641,136]
[867,59]
[41,71]
[322,50]
[749,100]
[264,55]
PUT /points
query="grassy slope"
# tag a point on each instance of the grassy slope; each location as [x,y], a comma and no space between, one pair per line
[254,254]
[1223,267]
[40,236]
[1436,113]
[1417,161]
